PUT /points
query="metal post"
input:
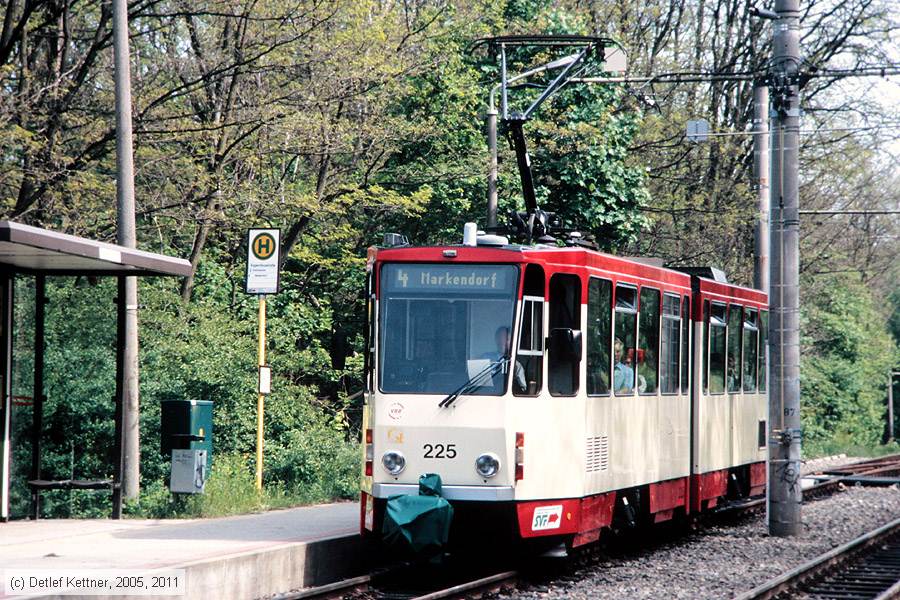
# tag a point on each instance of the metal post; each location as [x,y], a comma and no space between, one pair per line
[785,495]
[260,397]
[761,173]
[125,236]
[890,408]
[37,426]
[7,285]
[503,82]
[120,400]
[492,172]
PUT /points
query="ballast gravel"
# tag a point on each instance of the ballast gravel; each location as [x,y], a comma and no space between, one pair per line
[722,561]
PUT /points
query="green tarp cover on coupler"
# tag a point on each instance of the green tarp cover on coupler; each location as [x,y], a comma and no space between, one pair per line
[419,523]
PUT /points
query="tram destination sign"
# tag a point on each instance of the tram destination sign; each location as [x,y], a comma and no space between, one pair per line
[263,253]
[449,278]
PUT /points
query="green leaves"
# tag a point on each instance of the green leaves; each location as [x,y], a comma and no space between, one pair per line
[846,355]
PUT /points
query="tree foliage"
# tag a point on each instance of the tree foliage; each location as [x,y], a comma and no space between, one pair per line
[848,354]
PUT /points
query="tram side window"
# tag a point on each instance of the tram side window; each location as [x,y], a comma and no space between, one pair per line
[717,348]
[685,344]
[565,313]
[623,345]
[598,335]
[648,346]
[735,327]
[763,348]
[669,348]
[751,338]
[530,355]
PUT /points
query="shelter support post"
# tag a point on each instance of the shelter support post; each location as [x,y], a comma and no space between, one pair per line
[7,284]
[38,398]
[119,444]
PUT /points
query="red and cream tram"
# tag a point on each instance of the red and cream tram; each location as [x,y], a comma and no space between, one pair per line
[558,391]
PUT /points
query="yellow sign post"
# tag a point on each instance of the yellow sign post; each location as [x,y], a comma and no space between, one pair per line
[263,250]
[260,396]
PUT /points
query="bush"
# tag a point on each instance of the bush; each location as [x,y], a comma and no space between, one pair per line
[847,351]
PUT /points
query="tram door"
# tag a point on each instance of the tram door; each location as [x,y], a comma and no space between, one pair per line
[565,334]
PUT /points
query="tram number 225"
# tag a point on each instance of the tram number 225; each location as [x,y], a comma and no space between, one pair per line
[439,451]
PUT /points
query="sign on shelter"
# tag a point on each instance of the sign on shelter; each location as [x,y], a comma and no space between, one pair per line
[263,250]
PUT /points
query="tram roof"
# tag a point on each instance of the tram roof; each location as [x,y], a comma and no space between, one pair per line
[517,253]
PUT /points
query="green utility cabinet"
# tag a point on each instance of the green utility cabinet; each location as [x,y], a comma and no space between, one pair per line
[186,425]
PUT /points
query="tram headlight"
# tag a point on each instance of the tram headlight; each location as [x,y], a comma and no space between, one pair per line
[488,464]
[393,462]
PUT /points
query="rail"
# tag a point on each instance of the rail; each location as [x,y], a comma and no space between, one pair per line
[865,568]
[375,586]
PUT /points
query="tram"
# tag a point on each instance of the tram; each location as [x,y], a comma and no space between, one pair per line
[559,391]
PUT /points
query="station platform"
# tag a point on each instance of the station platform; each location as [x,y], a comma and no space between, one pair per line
[241,557]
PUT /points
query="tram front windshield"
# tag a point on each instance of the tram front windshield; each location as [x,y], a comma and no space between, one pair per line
[441,325]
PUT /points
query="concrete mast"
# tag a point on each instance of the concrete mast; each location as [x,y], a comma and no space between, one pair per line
[125,236]
[784,340]
[761,173]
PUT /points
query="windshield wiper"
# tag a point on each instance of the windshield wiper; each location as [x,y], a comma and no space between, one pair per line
[473,383]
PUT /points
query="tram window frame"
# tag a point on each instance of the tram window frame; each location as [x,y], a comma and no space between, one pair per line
[535,350]
[704,353]
[534,290]
[559,316]
[762,372]
[670,370]
[370,332]
[718,323]
[685,344]
[734,336]
[596,295]
[626,310]
[643,372]
[750,331]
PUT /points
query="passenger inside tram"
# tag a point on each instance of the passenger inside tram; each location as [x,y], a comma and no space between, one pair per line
[623,373]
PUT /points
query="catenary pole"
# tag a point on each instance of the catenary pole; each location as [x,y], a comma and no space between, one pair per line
[492,169]
[125,236]
[890,407]
[761,173]
[785,496]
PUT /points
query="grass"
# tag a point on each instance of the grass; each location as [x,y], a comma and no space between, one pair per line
[850,448]
[230,490]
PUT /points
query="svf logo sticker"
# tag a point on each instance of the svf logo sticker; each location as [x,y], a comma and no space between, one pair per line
[547,517]
[395,411]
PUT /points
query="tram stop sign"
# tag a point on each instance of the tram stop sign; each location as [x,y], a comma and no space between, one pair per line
[263,250]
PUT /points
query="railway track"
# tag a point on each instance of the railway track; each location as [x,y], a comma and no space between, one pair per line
[866,568]
[884,470]
[389,585]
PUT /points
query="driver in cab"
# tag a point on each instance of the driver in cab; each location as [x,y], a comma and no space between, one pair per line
[502,340]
